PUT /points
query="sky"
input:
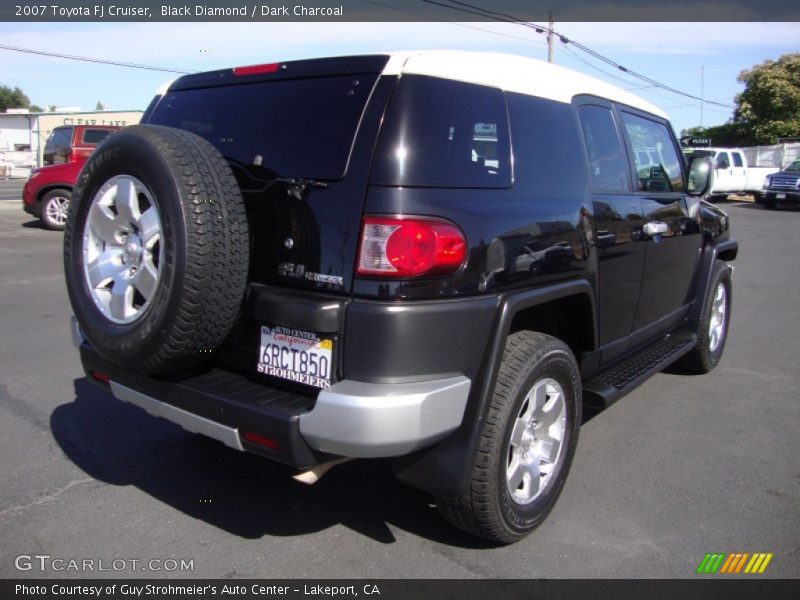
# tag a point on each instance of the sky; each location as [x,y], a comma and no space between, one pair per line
[674,54]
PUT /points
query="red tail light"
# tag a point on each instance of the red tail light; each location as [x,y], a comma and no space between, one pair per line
[255,438]
[256,69]
[102,377]
[409,247]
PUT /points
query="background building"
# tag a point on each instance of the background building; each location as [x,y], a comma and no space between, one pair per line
[23,134]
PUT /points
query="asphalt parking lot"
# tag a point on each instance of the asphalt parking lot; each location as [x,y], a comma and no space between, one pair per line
[681,467]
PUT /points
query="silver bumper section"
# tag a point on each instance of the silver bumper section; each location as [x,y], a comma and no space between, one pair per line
[189,421]
[368,420]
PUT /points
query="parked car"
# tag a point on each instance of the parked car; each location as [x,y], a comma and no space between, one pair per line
[783,187]
[48,191]
[732,174]
[309,261]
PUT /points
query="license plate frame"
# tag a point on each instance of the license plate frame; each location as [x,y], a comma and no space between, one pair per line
[296,355]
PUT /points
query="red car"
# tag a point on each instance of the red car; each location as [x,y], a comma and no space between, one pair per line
[47,193]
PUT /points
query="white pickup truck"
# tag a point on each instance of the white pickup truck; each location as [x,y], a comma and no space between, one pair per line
[732,174]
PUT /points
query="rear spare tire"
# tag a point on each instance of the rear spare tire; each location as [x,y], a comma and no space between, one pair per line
[156,249]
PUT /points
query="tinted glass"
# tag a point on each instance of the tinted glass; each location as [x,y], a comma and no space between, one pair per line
[607,162]
[723,162]
[795,166]
[737,160]
[95,136]
[290,128]
[443,133]
[658,165]
[57,147]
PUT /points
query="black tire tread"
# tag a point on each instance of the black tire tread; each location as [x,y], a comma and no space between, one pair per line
[217,249]
[698,359]
[475,512]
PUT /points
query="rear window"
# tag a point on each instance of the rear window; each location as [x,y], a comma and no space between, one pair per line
[443,133]
[56,150]
[289,128]
[607,162]
[95,136]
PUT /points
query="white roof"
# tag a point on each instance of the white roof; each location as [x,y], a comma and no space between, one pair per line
[511,73]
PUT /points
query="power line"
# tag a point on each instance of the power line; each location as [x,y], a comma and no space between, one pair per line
[419,14]
[505,17]
[641,88]
[91,60]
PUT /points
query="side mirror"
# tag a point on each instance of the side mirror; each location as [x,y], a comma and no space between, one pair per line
[699,176]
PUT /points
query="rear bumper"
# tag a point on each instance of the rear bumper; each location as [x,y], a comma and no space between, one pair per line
[351,418]
[368,420]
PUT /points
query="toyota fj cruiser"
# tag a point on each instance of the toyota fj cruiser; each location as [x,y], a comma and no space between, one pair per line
[436,256]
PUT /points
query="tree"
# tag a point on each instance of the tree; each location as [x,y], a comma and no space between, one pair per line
[12,98]
[769,106]
[35,108]
[99,106]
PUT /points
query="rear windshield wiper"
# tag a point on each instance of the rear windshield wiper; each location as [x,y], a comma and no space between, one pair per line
[295,187]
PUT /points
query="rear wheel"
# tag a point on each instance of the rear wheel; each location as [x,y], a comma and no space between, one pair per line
[527,443]
[55,206]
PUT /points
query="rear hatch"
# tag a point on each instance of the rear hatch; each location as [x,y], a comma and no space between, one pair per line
[299,137]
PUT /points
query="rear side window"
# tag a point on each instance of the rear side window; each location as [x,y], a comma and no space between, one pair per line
[658,165]
[443,133]
[737,159]
[286,128]
[56,150]
[607,162]
[95,136]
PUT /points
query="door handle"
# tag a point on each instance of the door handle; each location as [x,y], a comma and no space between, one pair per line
[653,228]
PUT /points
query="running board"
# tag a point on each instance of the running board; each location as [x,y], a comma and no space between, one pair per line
[619,379]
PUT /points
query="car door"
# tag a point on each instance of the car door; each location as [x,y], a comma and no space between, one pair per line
[672,235]
[723,174]
[618,221]
[738,172]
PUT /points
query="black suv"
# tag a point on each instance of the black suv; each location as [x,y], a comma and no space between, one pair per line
[437,257]
[782,187]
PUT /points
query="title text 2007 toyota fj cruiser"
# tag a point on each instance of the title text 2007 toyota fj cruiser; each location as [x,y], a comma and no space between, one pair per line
[433,256]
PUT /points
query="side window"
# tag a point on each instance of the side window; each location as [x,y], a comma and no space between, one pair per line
[723,162]
[56,150]
[737,159]
[444,133]
[95,136]
[607,162]
[658,165]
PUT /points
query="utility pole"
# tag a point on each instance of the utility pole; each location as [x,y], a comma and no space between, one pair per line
[550,36]
[702,89]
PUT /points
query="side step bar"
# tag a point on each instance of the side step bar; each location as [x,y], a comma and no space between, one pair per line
[622,377]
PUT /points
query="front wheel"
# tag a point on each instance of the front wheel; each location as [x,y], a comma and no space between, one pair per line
[527,443]
[712,331]
[55,205]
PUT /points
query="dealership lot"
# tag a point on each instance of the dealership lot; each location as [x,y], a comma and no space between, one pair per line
[680,467]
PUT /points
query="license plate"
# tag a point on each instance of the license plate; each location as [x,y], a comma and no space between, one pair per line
[780,196]
[295,355]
